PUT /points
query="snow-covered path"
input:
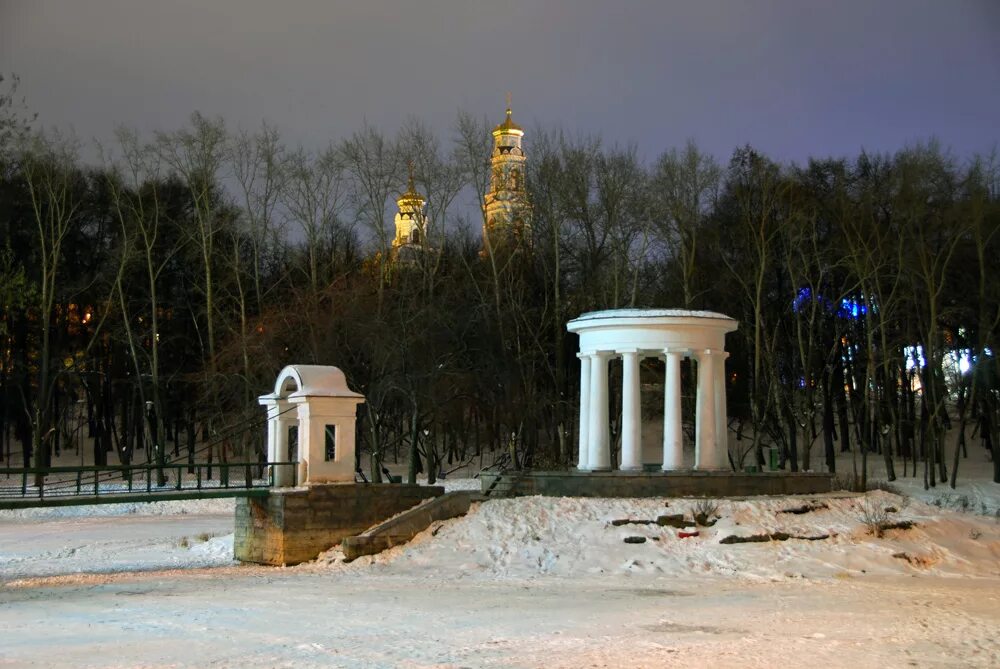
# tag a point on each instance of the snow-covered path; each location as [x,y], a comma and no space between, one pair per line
[293,618]
[132,543]
[528,582]
[115,538]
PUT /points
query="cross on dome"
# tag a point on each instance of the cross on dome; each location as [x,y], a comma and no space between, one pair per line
[508,126]
[411,194]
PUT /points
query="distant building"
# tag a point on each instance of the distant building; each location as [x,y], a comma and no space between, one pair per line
[411,225]
[508,214]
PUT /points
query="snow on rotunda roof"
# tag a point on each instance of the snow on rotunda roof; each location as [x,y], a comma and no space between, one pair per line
[648,313]
[311,381]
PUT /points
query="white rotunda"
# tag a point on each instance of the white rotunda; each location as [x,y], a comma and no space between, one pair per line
[671,334]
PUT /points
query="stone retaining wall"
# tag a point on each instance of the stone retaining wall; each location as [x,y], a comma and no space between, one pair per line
[663,484]
[295,525]
[405,526]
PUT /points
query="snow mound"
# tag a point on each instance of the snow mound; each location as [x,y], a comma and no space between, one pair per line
[215,550]
[773,539]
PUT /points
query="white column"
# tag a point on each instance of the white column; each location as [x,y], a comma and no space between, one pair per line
[280,454]
[673,439]
[583,460]
[306,440]
[631,412]
[284,475]
[597,433]
[705,456]
[721,421]
[272,436]
[279,419]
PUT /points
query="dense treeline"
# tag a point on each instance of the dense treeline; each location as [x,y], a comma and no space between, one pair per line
[145,302]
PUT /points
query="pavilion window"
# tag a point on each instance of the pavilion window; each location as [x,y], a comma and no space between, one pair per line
[330,446]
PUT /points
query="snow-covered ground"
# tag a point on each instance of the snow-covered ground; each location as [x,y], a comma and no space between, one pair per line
[974,490]
[527,582]
[539,537]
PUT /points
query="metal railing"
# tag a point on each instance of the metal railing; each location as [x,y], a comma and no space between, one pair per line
[501,467]
[147,479]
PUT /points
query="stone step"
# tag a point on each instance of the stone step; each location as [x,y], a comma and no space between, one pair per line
[403,527]
[503,485]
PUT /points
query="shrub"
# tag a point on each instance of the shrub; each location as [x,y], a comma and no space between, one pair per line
[874,516]
[704,510]
[844,482]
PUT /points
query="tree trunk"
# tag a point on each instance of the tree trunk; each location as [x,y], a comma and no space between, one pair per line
[414,462]
[828,429]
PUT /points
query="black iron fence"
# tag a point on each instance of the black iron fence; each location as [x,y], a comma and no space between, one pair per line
[146,480]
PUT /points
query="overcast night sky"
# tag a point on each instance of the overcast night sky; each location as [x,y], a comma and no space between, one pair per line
[795,78]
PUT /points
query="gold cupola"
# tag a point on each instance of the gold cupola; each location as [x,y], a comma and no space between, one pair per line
[508,127]
[410,218]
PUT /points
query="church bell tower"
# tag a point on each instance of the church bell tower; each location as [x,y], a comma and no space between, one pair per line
[411,224]
[506,203]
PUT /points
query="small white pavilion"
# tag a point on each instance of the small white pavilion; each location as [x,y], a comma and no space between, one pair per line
[316,399]
[634,334]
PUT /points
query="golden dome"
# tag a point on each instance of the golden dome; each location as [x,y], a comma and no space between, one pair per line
[508,126]
[411,195]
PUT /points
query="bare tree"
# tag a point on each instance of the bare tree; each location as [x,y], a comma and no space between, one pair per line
[197,154]
[817,289]
[134,184]
[925,195]
[621,189]
[15,119]
[983,193]
[53,182]
[314,195]
[374,165]
[756,188]
[259,165]
[685,190]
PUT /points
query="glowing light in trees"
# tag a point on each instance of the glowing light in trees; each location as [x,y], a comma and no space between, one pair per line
[848,307]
